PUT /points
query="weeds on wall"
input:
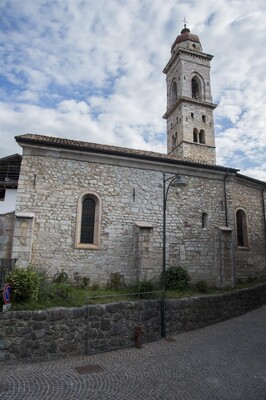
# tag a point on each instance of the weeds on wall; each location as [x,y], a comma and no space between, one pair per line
[33,290]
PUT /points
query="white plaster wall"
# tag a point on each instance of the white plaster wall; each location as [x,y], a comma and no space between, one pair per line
[8,205]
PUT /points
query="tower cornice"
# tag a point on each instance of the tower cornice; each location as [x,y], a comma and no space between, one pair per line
[181,50]
[184,99]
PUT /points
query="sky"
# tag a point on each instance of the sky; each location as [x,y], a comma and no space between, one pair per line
[92,70]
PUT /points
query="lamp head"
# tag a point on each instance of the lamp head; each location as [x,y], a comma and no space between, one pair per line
[178,181]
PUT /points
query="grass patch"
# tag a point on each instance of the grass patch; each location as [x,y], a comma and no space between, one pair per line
[62,293]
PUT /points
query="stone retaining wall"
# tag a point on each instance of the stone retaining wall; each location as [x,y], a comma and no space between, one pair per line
[52,333]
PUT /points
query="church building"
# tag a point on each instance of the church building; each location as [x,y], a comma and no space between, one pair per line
[93,210]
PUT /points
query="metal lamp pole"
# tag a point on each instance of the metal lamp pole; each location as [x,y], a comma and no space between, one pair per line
[174,181]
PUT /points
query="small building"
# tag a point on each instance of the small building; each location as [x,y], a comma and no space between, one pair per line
[9,175]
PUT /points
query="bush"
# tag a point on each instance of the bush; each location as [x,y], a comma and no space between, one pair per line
[55,292]
[176,278]
[24,283]
[94,287]
[62,291]
[81,281]
[252,279]
[61,277]
[116,281]
[201,286]
[85,282]
[143,289]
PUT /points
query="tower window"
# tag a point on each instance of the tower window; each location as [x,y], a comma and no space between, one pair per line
[174,92]
[195,135]
[241,228]
[2,194]
[192,115]
[204,220]
[174,137]
[202,136]
[195,88]
[203,118]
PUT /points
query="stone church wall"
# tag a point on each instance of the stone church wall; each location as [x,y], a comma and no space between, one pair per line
[131,195]
[250,260]
[50,187]
[6,235]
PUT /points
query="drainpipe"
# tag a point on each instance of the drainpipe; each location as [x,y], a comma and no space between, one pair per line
[225,199]
[233,266]
[264,216]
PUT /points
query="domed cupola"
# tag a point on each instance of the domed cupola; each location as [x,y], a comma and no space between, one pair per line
[186,40]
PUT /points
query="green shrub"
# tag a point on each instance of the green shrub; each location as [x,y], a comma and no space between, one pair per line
[85,281]
[46,290]
[62,291]
[251,279]
[55,292]
[24,283]
[95,287]
[61,277]
[81,281]
[143,289]
[176,278]
[201,286]
[116,281]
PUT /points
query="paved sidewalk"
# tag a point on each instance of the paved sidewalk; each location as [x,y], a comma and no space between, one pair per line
[222,361]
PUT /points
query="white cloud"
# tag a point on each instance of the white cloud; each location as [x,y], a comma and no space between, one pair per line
[91,71]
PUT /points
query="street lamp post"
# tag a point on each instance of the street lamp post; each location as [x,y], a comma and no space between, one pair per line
[173,181]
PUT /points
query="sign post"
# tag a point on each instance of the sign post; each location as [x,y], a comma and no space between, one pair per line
[7,293]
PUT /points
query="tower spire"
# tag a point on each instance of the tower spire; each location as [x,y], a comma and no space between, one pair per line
[185,29]
[189,115]
[185,22]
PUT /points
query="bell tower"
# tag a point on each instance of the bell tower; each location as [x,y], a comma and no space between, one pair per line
[189,115]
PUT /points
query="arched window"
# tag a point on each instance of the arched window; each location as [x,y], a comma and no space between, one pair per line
[195,135]
[174,92]
[241,228]
[195,88]
[204,220]
[202,136]
[174,139]
[88,221]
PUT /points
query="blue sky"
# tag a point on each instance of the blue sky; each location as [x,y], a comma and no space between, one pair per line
[92,70]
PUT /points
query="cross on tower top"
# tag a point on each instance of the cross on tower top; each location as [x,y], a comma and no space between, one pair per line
[185,22]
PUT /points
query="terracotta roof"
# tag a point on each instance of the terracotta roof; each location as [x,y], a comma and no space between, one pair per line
[114,150]
[87,146]
[185,35]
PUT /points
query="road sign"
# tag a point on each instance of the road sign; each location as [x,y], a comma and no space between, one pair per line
[7,292]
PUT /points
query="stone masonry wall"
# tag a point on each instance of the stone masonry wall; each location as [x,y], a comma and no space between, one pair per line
[59,332]
[51,183]
[250,260]
[6,234]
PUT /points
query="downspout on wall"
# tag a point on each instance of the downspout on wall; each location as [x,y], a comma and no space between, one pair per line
[225,199]
[264,216]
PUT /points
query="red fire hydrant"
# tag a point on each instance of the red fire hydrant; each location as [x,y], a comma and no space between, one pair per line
[138,336]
